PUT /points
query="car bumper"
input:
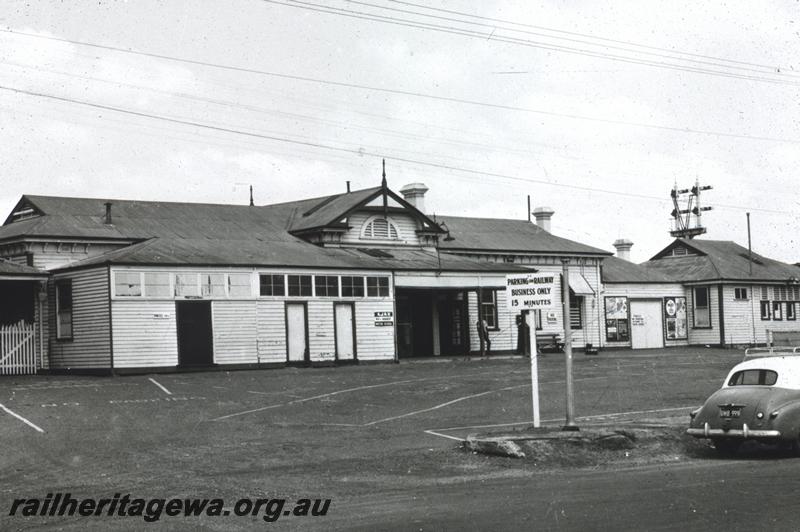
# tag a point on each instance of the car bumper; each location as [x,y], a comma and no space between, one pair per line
[745,432]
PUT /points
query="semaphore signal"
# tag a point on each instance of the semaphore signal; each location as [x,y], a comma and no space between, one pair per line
[687,221]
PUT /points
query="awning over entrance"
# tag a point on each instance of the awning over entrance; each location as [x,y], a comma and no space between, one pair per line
[579,285]
[10,271]
[463,281]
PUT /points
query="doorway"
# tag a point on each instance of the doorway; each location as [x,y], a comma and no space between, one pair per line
[647,331]
[345,331]
[452,310]
[297,332]
[195,334]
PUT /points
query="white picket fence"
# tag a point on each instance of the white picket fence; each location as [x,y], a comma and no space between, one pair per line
[18,349]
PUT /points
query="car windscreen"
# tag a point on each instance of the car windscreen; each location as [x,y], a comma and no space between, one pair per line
[753,377]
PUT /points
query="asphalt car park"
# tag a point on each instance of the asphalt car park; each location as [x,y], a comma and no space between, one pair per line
[337,433]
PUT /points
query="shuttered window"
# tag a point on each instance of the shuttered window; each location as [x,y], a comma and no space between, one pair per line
[380,228]
[156,284]
[212,284]
[186,284]
[127,284]
[575,312]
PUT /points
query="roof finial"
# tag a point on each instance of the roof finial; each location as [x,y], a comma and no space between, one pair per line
[383,181]
[251,196]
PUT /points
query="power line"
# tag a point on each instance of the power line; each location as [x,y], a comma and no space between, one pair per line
[585,35]
[348,150]
[670,54]
[511,40]
[401,92]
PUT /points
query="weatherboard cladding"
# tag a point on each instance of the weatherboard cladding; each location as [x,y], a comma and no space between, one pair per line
[145,333]
[90,346]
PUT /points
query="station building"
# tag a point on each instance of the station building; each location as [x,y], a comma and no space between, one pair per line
[103,286]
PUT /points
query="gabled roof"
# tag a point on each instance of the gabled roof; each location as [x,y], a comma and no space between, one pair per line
[718,260]
[616,270]
[495,234]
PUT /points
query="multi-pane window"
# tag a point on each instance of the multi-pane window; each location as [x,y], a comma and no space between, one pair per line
[575,312]
[326,285]
[488,307]
[186,284]
[239,285]
[765,314]
[777,311]
[271,285]
[299,285]
[127,284]
[64,309]
[212,284]
[702,312]
[352,286]
[377,287]
[156,284]
[740,293]
[764,292]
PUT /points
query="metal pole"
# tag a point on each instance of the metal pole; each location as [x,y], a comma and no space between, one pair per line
[570,424]
[480,323]
[749,247]
[533,352]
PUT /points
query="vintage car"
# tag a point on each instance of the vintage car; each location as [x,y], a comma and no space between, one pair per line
[759,400]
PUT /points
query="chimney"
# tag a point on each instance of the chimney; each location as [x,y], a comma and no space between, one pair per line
[623,246]
[107,219]
[414,193]
[543,215]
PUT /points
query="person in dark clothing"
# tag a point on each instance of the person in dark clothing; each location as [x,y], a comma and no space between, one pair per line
[483,332]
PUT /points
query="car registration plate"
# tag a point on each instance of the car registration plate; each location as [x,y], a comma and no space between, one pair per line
[730,412]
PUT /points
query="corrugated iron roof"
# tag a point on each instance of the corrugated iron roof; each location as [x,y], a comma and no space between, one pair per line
[495,234]
[719,260]
[8,268]
[616,270]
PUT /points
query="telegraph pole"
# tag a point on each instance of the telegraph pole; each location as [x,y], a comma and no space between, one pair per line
[570,424]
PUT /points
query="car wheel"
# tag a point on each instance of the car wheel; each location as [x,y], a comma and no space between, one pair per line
[795,445]
[726,446]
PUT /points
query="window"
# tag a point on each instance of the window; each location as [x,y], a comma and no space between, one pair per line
[186,284]
[271,285]
[765,310]
[764,292]
[488,307]
[380,228]
[575,312]
[299,285]
[377,287]
[239,285]
[777,311]
[753,377]
[702,314]
[326,285]
[790,310]
[352,286]
[127,284]
[212,284]
[64,309]
[740,293]
[156,284]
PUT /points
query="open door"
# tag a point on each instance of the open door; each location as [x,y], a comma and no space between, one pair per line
[195,335]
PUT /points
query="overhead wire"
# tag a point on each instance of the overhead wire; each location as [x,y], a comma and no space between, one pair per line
[387,156]
[463,101]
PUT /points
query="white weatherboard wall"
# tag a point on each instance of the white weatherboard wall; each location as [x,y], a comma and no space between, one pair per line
[246,330]
[90,346]
[743,323]
[144,334]
[704,336]
[235,332]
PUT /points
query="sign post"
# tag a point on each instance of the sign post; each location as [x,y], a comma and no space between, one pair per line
[526,292]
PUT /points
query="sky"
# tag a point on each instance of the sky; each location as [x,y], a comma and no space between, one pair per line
[595,109]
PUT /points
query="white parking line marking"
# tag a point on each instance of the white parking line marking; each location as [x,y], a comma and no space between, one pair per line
[437,432]
[347,390]
[160,386]
[448,403]
[20,418]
